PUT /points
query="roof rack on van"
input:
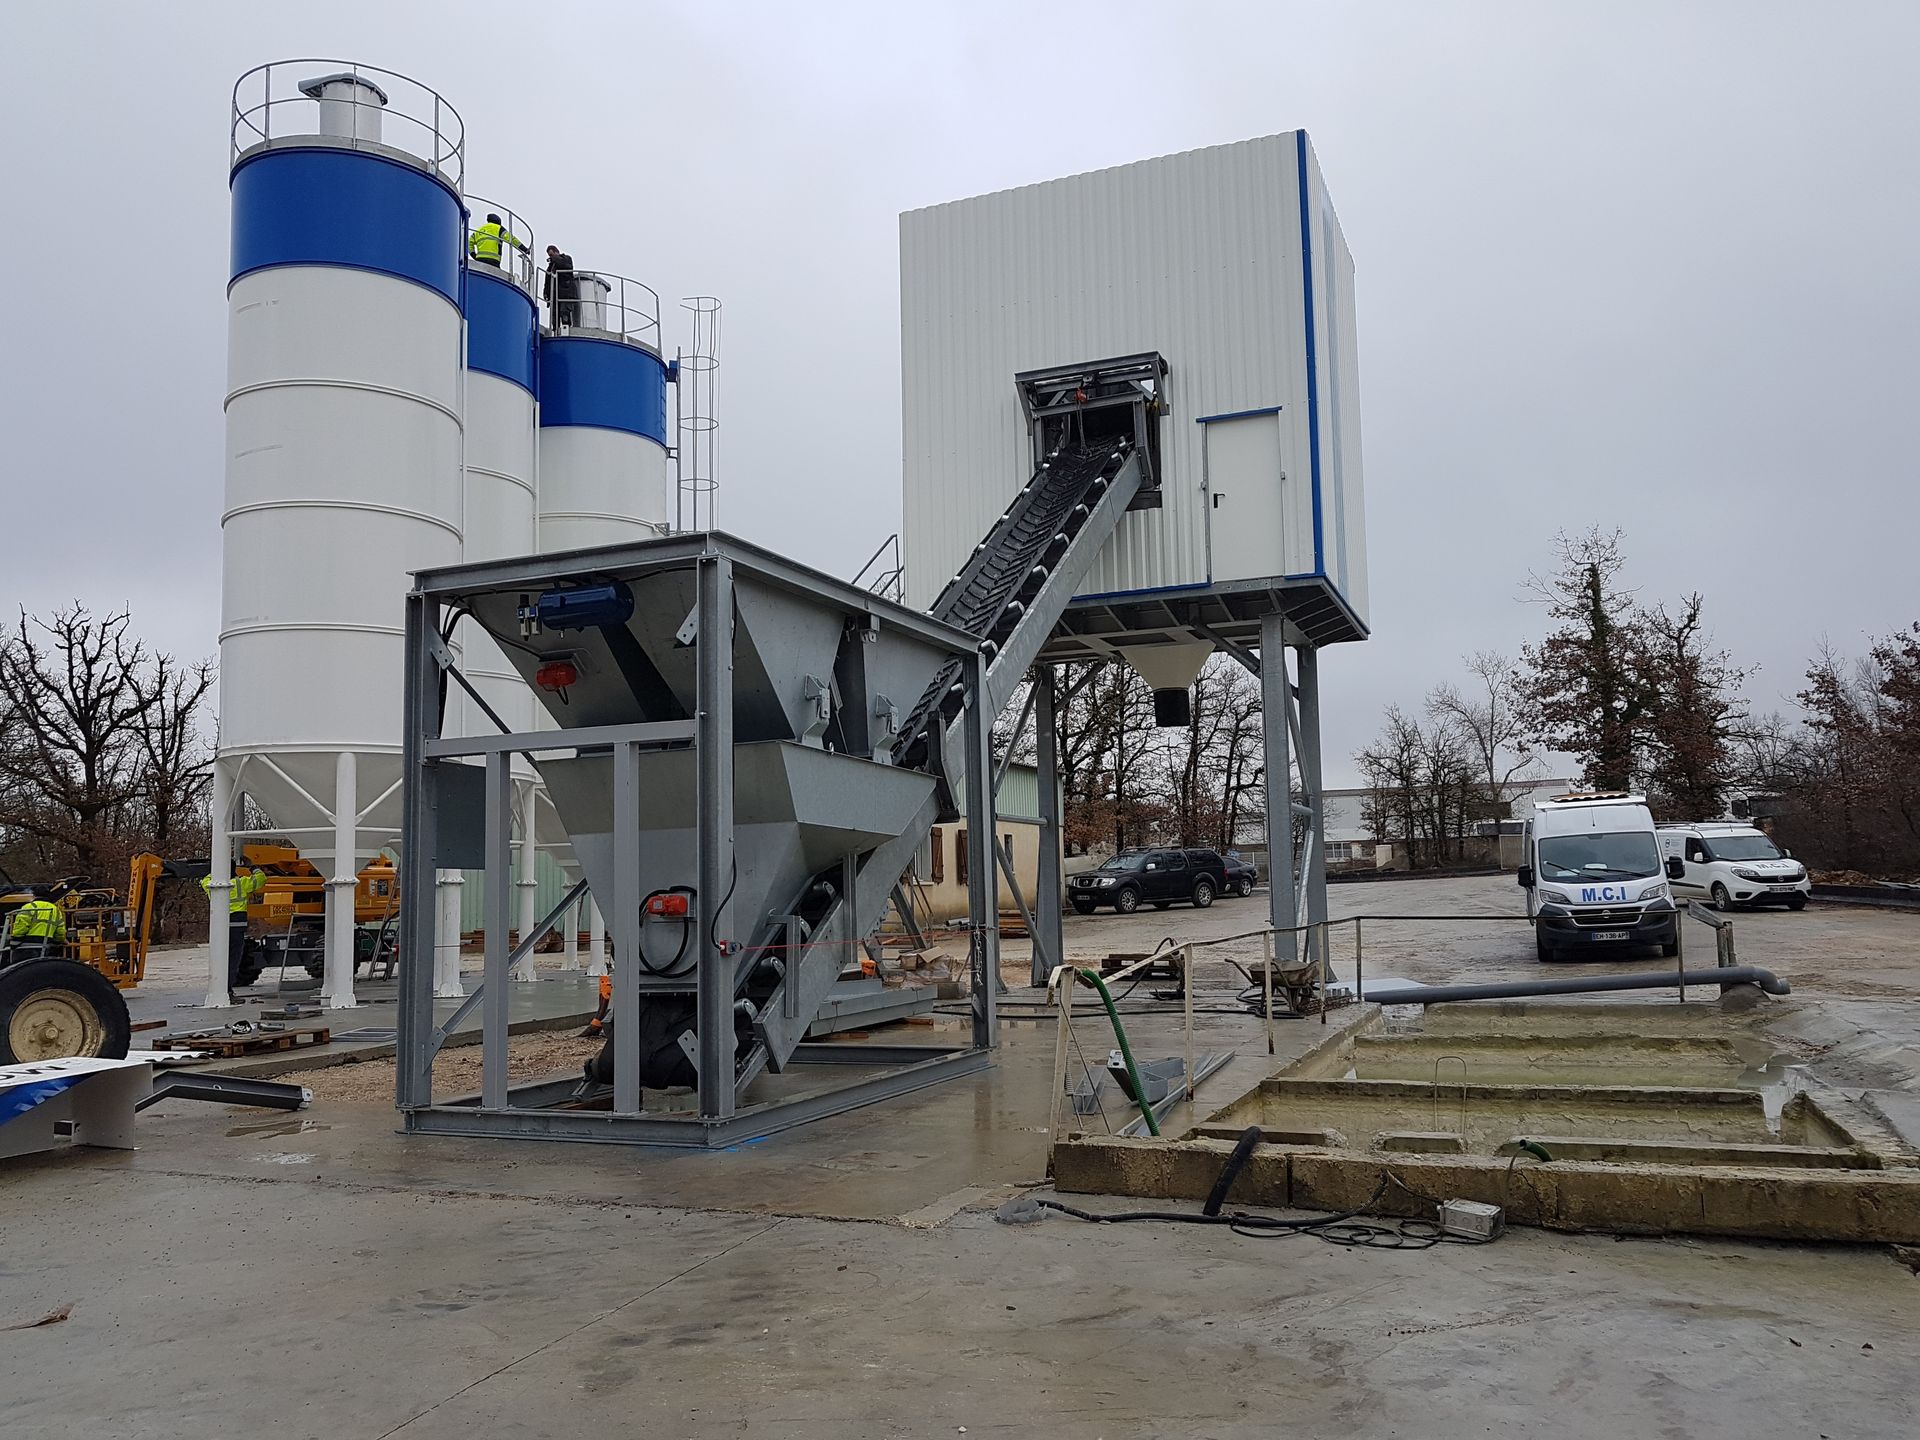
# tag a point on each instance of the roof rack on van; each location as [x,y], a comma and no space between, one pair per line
[1595,795]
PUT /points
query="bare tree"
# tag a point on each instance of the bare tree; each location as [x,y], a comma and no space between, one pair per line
[173,764]
[73,688]
[1486,712]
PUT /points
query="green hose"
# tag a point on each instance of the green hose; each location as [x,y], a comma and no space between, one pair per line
[1092,977]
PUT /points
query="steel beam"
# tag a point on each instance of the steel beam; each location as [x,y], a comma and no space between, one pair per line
[624,928]
[1314,865]
[1276,722]
[658,732]
[413,1056]
[1049,942]
[495,1000]
[982,842]
[602,1127]
[714,788]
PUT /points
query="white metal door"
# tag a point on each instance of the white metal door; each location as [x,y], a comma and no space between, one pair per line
[1245,484]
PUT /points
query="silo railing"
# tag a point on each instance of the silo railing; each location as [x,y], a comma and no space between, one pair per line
[516,259]
[355,106]
[602,304]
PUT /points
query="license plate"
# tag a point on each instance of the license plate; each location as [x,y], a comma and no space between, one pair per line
[1612,935]
[1783,889]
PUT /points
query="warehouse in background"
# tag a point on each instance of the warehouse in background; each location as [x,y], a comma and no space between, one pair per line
[1224,275]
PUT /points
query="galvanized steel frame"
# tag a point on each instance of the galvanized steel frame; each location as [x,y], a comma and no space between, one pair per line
[503,1110]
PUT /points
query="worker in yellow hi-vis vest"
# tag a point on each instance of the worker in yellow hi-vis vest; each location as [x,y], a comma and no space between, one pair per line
[485,242]
[247,884]
[37,929]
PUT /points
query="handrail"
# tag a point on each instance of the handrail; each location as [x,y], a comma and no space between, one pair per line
[600,303]
[516,261]
[888,583]
[269,106]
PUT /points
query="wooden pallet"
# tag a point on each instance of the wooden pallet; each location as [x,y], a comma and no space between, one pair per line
[229,1047]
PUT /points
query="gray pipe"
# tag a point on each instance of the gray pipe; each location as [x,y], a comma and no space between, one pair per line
[1585,984]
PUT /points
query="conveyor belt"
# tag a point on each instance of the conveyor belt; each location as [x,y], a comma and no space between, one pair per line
[993,594]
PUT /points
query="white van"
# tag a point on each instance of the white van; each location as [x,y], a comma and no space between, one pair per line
[1732,864]
[1595,876]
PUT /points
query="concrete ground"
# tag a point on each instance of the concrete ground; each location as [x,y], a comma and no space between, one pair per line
[320,1275]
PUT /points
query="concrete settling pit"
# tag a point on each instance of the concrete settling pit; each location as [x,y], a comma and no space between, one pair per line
[1656,1118]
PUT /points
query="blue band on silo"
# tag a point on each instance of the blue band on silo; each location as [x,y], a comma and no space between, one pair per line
[350,208]
[602,383]
[501,327]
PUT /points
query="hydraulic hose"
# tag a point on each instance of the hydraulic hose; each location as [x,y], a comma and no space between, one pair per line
[1230,1172]
[1092,977]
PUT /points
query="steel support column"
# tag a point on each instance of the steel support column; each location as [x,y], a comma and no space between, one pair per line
[1049,943]
[495,999]
[413,1059]
[1307,659]
[713,745]
[983,898]
[626,929]
[1276,719]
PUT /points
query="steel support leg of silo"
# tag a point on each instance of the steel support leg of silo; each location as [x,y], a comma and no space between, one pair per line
[596,939]
[1307,658]
[413,1058]
[220,887]
[1276,718]
[526,876]
[446,940]
[1049,946]
[713,745]
[338,982]
[983,891]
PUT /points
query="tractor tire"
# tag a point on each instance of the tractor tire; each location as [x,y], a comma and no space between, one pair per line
[56,1010]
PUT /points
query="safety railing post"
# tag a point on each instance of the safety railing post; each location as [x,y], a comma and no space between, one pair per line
[1186,991]
[1266,983]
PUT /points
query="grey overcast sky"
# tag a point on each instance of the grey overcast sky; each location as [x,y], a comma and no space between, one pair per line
[1644,265]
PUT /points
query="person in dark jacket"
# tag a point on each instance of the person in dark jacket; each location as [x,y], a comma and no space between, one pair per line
[562,288]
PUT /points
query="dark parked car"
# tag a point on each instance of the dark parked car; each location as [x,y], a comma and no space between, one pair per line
[1242,876]
[1150,877]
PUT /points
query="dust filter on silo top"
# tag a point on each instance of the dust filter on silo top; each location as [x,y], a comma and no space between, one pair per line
[1171,670]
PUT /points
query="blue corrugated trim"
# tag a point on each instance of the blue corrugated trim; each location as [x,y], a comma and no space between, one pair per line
[1313,362]
[347,209]
[1237,415]
[501,327]
[602,383]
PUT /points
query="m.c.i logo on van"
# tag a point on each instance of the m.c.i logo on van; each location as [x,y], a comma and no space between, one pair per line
[1602,894]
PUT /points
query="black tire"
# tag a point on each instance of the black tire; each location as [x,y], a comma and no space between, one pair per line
[1670,949]
[1796,902]
[1544,952]
[1243,887]
[1722,901]
[1084,907]
[55,1009]
[1126,900]
[1163,904]
[1202,893]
